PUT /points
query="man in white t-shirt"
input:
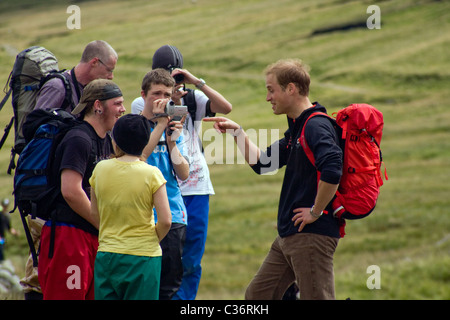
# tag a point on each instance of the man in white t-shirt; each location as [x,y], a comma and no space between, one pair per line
[198,187]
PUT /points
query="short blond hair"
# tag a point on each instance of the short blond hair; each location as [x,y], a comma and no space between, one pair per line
[291,71]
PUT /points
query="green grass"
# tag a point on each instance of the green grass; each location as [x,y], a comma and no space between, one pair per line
[403,69]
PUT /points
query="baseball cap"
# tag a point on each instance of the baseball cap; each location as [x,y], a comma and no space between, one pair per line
[167,57]
[99,89]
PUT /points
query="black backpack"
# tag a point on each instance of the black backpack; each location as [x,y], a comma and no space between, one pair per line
[189,101]
[32,68]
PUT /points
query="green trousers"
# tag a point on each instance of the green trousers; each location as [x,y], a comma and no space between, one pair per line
[126,277]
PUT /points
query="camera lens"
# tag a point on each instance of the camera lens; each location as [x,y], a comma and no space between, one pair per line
[179,78]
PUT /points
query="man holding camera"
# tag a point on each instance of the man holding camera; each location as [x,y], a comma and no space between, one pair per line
[202,102]
[165,151]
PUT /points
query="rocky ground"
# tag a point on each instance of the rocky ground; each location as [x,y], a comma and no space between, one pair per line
[10,288]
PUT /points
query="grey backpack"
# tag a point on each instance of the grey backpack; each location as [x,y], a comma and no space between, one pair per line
[32,68]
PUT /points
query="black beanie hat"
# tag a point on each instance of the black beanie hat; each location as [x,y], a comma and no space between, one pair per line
[131,133]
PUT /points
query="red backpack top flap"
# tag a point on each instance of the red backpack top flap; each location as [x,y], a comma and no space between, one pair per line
[361,116]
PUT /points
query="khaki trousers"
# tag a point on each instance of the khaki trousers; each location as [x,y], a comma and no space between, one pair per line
[30,282]
[305,258]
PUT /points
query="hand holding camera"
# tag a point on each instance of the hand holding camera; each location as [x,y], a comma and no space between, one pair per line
[174,128]
[166,109]
[177,114]
[184,76]
[179,91]
[159,111]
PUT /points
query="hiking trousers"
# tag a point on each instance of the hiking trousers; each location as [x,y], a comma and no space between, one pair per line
[69,274]
[305,258]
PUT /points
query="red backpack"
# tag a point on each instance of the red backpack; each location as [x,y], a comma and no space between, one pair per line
[358,191]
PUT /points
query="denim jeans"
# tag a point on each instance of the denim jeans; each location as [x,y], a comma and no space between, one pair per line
[305,258]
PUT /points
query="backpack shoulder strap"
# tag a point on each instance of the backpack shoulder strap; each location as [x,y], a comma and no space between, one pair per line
[4,100]
[191,103]
[8,94]
[302,138]
[93,136]
[189,100]
[68,101]
[75,83]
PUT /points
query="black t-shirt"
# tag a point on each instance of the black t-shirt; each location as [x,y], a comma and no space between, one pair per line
[80,150]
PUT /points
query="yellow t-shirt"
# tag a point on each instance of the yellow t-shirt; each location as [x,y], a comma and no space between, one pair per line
[124,192]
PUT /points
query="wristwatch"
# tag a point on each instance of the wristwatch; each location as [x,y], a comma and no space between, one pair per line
[200,84]
[317,216]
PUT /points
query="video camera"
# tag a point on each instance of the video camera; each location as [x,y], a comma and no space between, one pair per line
[177,112]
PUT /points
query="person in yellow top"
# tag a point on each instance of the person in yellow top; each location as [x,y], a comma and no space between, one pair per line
[124,190]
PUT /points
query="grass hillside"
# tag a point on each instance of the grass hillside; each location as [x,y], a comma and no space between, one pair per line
[402,69]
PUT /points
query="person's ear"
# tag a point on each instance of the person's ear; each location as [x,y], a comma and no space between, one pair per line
[291,88]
